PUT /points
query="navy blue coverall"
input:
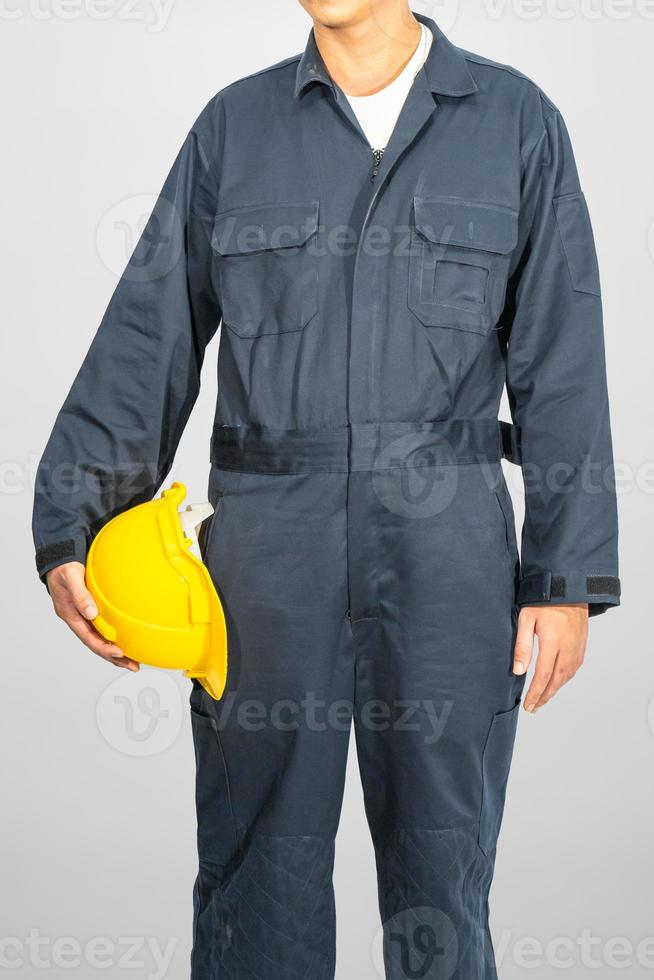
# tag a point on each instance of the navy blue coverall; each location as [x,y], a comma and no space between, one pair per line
[363,539]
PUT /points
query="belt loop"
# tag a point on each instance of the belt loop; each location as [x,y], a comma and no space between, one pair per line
[510,439]
[536,587]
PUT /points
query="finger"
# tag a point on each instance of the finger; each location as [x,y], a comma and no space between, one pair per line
[82,599]
[90,637]
[524,642]
[566,666]
[95,643]
[556,681]
[547,654]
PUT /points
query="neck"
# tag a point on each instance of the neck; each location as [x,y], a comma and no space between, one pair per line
[364,57]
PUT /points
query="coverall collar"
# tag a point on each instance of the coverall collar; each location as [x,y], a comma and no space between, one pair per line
[446,69]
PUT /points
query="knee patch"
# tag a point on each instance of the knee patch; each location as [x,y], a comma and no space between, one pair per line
[273,918]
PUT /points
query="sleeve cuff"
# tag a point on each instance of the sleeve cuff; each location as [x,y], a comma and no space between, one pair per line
[60,552]
[600,591]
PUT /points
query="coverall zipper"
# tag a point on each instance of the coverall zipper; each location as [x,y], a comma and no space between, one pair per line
[376,161]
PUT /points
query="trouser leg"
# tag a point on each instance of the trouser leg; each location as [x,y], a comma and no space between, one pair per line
[436,711]
[271,756]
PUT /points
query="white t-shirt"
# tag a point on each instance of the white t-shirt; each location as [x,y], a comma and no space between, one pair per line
[377,114]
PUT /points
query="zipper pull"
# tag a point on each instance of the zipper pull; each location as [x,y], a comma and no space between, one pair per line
[376,161]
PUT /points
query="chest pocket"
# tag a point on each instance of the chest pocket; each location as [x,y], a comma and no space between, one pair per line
[267,270]
[459,260]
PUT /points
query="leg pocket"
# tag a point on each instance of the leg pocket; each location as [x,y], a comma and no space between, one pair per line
[505,505]
[217,840]
[496,764]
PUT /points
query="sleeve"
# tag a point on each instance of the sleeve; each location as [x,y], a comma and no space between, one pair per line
[556,382]
[115,437]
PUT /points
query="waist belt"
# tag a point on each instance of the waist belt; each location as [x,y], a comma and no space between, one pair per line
[365,446]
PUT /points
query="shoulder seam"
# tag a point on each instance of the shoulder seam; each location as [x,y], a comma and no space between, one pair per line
[484,63]
[527,153]
[262,71]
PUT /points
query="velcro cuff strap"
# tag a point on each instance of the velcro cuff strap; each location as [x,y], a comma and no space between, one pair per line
[546,587]
[55,552]
[603,585]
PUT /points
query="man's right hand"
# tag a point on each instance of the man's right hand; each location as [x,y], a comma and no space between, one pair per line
[74,604]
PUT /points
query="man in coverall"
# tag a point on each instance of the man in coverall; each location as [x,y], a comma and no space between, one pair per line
[373,307]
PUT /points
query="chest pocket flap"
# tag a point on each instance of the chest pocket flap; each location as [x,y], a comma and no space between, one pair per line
[267,269]
[459,260]
[448,221]
[256,228]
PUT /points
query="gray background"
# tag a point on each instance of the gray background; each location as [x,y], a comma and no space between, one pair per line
[97,818]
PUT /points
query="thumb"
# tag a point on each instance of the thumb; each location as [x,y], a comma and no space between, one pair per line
[524,642]
[82,599]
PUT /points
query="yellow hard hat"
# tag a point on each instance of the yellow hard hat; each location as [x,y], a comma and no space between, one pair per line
[155,597]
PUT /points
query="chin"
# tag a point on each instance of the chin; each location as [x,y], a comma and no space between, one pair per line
[337,13]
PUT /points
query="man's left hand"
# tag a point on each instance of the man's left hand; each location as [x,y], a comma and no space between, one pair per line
[562,632]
